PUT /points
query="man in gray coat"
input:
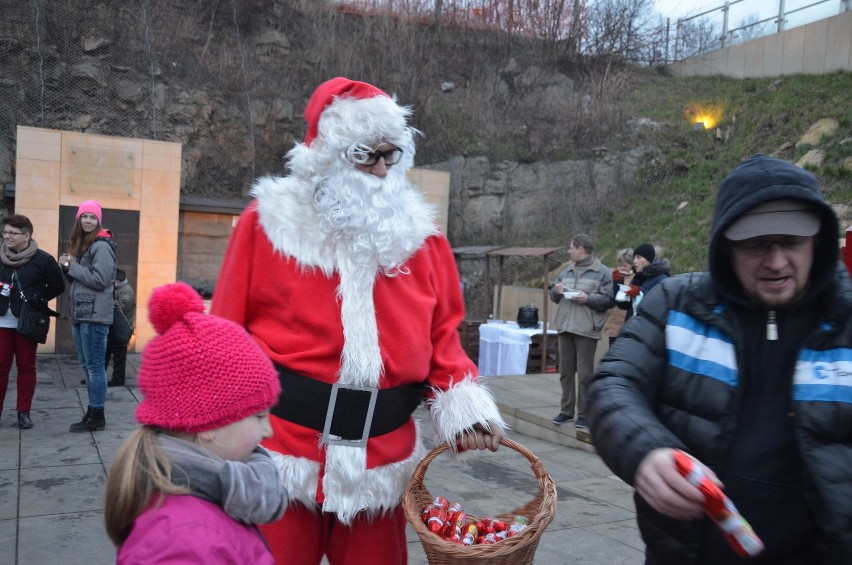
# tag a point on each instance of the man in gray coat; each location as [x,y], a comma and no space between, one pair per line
[585,294]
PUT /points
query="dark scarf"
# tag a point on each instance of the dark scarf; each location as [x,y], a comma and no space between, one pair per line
[250,491]
[17,258]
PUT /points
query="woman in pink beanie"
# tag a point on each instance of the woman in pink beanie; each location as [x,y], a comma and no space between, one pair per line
[192,482]
[89,265]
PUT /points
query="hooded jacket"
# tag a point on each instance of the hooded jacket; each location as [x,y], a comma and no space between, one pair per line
[773,419]
[92,276]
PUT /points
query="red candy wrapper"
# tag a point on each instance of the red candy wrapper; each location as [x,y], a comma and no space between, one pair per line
[451,523]
[720,508]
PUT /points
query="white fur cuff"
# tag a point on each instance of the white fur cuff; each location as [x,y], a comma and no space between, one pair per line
[457,409]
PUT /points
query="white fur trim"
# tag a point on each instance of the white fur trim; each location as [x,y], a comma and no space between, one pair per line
[300,476]
[365,120]
[348,486]
[350,489]
[457,409]
[361,360]
[286,211]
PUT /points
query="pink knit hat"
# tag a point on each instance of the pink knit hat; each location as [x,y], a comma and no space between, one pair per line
[201,372]
[91,207]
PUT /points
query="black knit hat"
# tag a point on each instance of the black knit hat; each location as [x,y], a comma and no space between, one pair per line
[646,250]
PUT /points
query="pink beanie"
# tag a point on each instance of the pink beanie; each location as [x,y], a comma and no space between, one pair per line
[325,94]
[201,372]
[91,207]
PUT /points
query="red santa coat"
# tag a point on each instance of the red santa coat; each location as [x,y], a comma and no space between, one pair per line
[296,310]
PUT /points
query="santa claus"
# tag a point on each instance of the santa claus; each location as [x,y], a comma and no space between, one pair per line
[340,273]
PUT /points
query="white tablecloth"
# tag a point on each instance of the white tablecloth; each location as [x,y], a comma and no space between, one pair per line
[504,347]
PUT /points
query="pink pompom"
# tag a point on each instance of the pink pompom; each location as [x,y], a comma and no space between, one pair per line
[170,303]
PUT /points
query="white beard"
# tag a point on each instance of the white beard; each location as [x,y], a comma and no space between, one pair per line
[378,221]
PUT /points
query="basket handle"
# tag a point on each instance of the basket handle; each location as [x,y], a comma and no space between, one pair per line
[535,463]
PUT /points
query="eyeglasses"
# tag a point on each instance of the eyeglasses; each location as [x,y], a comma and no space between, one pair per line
[760,247]
[367,156]
[12,233]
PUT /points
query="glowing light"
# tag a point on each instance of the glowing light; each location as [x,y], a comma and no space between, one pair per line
[708,114]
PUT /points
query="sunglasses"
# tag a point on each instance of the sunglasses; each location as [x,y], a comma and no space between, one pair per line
[367,157]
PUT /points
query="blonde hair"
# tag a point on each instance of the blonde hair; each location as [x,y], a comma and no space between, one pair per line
[624,256]
[139,472]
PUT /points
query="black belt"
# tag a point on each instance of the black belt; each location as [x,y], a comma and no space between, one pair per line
[352,414]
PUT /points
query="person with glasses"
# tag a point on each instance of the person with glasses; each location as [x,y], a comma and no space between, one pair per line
[89,265]
[746,368]
[340,273]
[31,273]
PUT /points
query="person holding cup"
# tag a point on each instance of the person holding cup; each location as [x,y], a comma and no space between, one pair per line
[90,266]
[584,293]
[622,276]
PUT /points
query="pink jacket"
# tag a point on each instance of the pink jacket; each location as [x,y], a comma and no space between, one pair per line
[186,529]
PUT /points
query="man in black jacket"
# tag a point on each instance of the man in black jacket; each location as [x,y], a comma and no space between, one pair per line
[748,369]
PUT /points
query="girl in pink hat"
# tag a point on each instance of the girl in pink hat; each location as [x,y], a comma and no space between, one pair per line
[89,265]
[192,482]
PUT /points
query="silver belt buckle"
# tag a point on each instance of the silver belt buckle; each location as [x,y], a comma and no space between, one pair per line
[328,438]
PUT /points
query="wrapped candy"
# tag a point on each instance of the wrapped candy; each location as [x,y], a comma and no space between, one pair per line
[719,507]
[450,522]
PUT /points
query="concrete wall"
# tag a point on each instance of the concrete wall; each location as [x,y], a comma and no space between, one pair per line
[59,168]
[820,47]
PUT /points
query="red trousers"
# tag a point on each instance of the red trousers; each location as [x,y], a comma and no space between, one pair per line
[15,346]
[303,536]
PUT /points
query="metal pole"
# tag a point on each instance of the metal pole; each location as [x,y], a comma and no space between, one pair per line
[487,294]
[544,316]
[726,9]
[668,28]
[499,305]
[780,16]
[677,40]
[847,5]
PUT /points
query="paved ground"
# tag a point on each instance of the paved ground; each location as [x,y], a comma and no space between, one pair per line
[51,481]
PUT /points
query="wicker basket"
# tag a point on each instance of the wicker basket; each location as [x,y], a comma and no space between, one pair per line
[517,550]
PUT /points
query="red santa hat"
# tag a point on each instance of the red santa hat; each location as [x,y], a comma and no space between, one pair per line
[326,93]
[343,113]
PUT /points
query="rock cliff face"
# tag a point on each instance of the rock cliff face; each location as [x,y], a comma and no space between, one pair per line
[532,204]
[528,205]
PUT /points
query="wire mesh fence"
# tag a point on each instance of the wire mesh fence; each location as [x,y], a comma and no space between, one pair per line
[138,69]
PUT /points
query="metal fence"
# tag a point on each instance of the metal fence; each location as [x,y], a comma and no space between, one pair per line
[739,21]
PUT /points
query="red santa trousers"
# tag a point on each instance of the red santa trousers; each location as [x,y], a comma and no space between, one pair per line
[303,536]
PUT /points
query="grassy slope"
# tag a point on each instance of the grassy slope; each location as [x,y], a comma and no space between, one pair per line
[758,115]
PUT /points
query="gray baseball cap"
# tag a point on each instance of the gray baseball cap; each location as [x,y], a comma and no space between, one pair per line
[785,216]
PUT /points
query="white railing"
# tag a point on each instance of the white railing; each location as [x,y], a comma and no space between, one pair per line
[743,20]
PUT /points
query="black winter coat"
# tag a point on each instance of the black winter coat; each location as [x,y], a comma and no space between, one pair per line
[681,371]
[40,278]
